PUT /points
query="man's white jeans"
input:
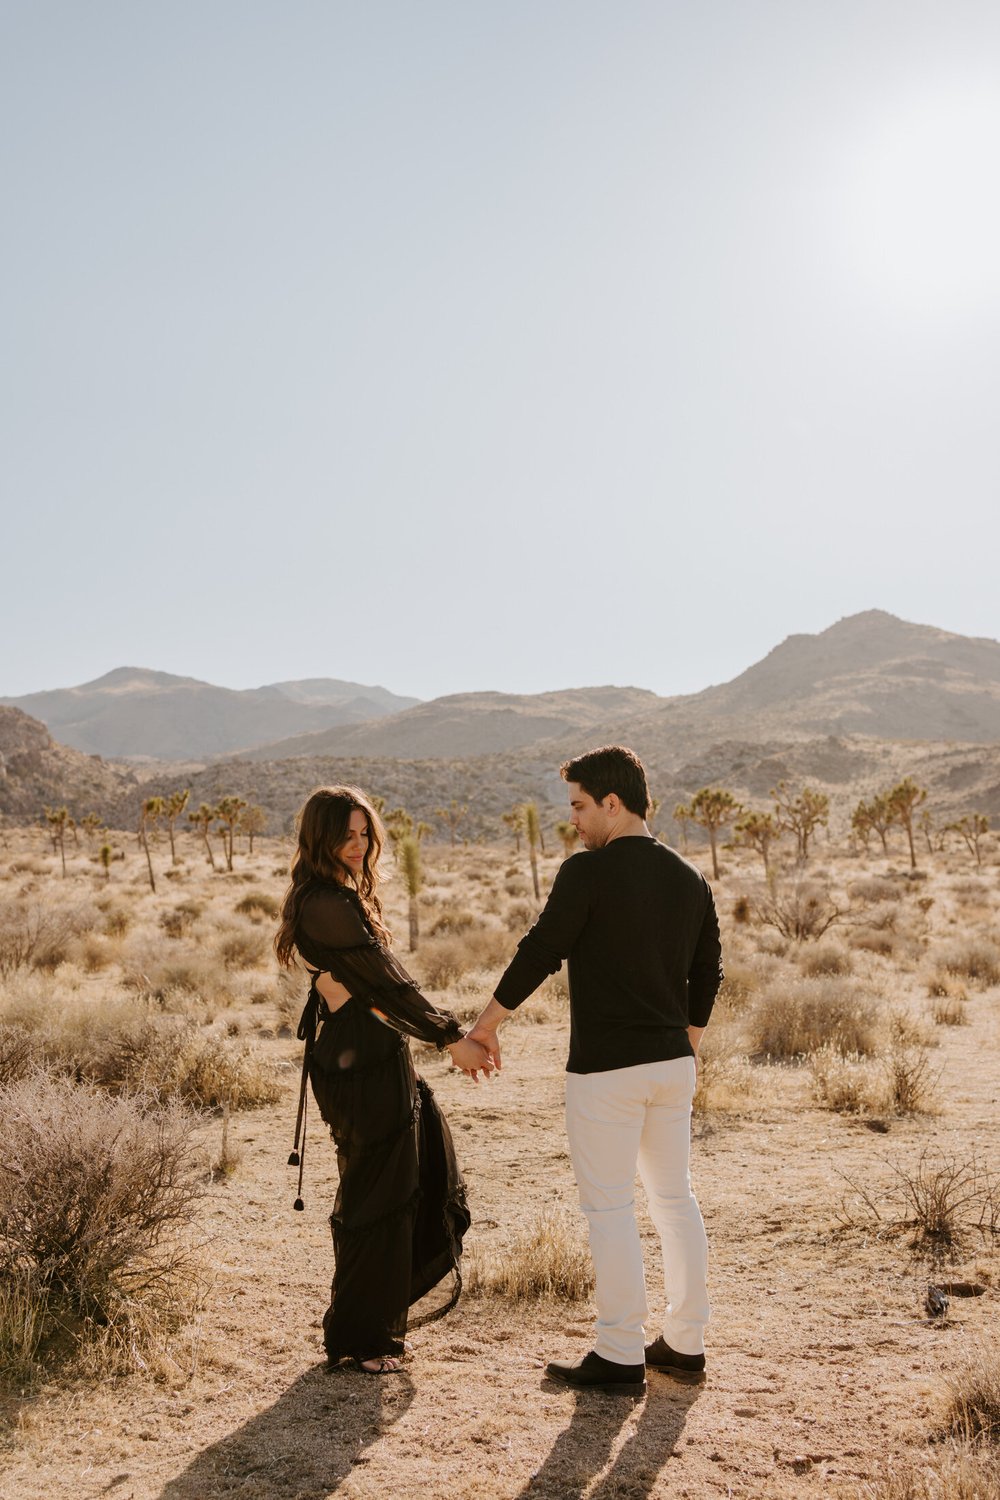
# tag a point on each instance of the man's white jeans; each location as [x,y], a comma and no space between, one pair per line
[616,1121]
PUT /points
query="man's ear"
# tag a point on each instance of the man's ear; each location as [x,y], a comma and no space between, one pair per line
[612,804]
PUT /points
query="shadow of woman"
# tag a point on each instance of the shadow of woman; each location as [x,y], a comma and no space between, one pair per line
[583,1448]
[303,1445]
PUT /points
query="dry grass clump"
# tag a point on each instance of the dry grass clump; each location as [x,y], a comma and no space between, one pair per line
[879,940]
[244,949]
[96,1196]
[973,1410]
[548,1260]
[519,916]
[441,961]
[974,958]
[453,919]
[178,920]
[118,919]
[809,1015]
[39,936]
[949,1010]
[875,890]
[901,1083]
[126,1046]
[258,904]
[825,958]
[952,1472]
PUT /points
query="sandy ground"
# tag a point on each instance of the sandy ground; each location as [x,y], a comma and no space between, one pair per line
[824,1367]
[823,1362]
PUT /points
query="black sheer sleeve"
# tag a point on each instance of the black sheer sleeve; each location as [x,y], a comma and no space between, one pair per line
[334,938]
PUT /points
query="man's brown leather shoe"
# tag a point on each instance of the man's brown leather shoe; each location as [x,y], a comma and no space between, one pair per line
[687,1367]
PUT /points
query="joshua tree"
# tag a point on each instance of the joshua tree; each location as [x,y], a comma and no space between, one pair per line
[203,820]
[570,837]
[903,799]
[757,830]
[682,815]
[801,813]
[515,822]
[927,829]
[861,823]
[452,816]
[59,822]
[105,854]
[152,811]
[228,813]
[92,825]
[173,806]
[253,820]
[408,855]
[399,826]
[531,830]
[712,808]
[971,829]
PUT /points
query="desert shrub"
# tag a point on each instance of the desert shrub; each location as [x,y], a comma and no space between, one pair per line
[824,958]
[178,921]
[516,884]
[453,919]
[117,920]
[29,866]
[39,937]
[549,1259]
[96,1196]
[949,1010]
[910,1081]
[850,1085]
[96,952]
[799,913]
[973,958]
[742,911]
[16,1051]
[809,1015]
[258,903]
[519,916]
[874,890]
[880,941]
[243,950]
[973,1409]
[126,1046]
[442,961]
[946,1472]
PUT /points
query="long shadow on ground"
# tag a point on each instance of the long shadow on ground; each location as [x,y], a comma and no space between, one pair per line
[302,1446]
[583,1448]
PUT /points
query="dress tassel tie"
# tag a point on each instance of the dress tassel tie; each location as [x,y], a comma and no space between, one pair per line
[306,1033]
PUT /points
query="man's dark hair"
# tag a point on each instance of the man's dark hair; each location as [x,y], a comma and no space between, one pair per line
[613,768]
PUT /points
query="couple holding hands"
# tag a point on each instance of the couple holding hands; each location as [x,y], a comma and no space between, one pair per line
[638,927]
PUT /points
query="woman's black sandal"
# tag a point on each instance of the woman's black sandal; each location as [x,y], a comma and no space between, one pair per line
[385,1365]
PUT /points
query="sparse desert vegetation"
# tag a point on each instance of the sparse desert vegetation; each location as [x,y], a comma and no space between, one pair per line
[159,1301]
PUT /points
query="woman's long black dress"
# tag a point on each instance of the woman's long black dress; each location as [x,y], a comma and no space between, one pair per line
[400,1211]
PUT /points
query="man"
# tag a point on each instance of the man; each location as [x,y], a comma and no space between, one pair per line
[638,926]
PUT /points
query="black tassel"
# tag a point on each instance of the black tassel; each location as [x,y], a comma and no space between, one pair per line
[298,1205]
[293,1159]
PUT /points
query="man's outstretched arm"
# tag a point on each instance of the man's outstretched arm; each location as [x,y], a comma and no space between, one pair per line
[486,1027]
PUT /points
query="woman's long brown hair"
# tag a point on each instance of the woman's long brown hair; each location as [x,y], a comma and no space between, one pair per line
[323,824]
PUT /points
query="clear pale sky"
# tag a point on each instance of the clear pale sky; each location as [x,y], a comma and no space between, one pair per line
[492,345]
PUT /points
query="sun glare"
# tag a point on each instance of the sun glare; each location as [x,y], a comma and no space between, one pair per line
[922,216]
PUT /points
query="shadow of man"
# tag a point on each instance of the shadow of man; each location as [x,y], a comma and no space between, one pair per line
[301,1447]
[583,1448]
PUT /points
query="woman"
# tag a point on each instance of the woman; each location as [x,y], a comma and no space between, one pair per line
[400,1212]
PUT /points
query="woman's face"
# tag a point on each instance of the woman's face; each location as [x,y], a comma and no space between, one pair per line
[352,851]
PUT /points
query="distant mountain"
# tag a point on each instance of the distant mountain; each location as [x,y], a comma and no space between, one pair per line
[464,724]
[869,674]
[136,712]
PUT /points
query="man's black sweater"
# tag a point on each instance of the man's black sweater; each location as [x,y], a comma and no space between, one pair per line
[639,928]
